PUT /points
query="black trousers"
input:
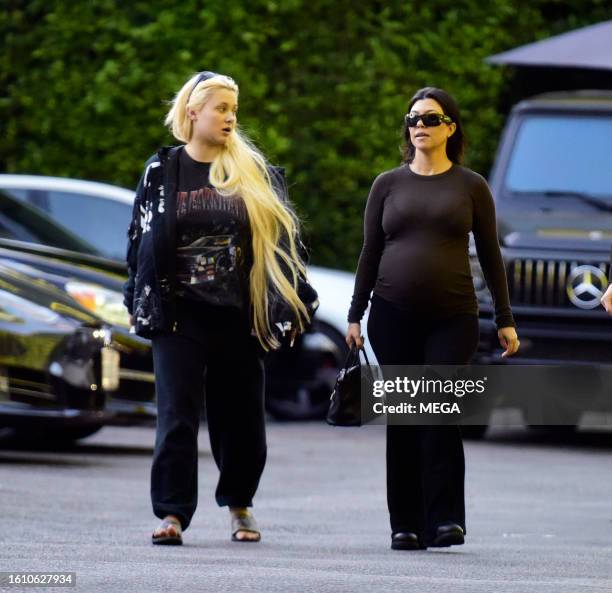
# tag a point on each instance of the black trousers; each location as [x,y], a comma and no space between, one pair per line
[425,464]
[211,352]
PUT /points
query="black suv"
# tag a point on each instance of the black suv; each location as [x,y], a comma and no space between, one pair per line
[552,183]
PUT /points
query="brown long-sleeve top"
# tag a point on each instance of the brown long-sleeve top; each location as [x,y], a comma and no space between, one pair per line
[415,248]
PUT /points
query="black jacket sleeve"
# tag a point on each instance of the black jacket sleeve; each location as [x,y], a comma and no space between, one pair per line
[134,233]
[132,248]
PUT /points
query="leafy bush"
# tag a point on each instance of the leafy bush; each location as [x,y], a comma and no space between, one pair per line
[324,85]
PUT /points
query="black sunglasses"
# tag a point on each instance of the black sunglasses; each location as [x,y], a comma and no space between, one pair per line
[429,120]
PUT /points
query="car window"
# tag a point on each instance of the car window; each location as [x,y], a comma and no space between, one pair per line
[20,194]
[545,157]
[11,230]
[100,221]
[23,222]
[34,197]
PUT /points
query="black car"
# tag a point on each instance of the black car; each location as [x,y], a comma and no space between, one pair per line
[59,365]
[552,184]
[97,291]
[90,283]
[554,210]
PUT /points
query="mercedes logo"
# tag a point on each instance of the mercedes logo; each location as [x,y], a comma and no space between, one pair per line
[585,286]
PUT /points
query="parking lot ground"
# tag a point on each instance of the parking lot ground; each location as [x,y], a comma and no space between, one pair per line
[539,512]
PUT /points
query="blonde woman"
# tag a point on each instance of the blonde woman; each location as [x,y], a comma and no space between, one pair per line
[215,279]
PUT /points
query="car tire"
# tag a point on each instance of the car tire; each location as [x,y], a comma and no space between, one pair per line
[300,379]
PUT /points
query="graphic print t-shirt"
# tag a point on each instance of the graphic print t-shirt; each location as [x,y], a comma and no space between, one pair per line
[213,240]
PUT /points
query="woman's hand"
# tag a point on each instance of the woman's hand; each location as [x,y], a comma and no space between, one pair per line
[353,335]
[508,340]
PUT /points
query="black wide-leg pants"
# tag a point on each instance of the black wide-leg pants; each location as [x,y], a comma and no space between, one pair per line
[425,464]
[211,356]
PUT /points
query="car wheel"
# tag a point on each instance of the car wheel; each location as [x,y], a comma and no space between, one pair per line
[300,379]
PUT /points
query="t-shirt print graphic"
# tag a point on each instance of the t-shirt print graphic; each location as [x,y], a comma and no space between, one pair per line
[206,258]
[212,230]
[207,198]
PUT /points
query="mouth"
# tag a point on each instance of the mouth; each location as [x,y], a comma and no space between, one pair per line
[421,135]
[227,130]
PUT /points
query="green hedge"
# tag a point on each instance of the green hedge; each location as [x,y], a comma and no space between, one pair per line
[324,85]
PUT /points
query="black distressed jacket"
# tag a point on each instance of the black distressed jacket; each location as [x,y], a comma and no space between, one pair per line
[149,293]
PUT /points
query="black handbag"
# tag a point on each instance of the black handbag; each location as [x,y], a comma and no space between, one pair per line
[345,400]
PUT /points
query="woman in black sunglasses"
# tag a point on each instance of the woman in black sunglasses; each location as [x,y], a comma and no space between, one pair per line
[424,309]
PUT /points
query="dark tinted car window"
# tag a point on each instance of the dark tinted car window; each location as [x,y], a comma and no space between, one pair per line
[20,194]
[101,222]
[564,153]
[23,222]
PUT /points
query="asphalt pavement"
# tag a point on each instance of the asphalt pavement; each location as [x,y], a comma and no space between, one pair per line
[539,517]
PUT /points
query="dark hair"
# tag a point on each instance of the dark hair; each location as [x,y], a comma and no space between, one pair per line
[456,143]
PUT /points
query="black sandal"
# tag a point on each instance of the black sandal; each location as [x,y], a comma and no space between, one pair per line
[169,540]
[244,521]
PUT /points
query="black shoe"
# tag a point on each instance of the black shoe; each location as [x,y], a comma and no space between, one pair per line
[449,534]
[405,540]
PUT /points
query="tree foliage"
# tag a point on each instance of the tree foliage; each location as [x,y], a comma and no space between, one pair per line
[324,85]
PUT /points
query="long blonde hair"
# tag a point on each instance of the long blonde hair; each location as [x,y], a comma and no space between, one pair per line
[241,170]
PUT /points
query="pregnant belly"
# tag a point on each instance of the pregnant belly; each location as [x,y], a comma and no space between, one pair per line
[421,280]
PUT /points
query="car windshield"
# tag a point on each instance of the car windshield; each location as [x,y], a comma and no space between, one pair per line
[570,153]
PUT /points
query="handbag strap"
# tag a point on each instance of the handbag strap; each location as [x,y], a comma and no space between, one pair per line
[354,354]
[351,358]
[362,350]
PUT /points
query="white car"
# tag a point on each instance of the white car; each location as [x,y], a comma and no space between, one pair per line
[99,213]
[300,380]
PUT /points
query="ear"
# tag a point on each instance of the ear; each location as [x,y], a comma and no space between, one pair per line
[191,114]
[452,127]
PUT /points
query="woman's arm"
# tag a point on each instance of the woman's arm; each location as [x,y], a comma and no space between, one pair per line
[606,300]
[134,233]
[373,245]
[489,254]
[492,264]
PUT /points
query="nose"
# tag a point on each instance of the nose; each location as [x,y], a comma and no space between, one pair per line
[420,123]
